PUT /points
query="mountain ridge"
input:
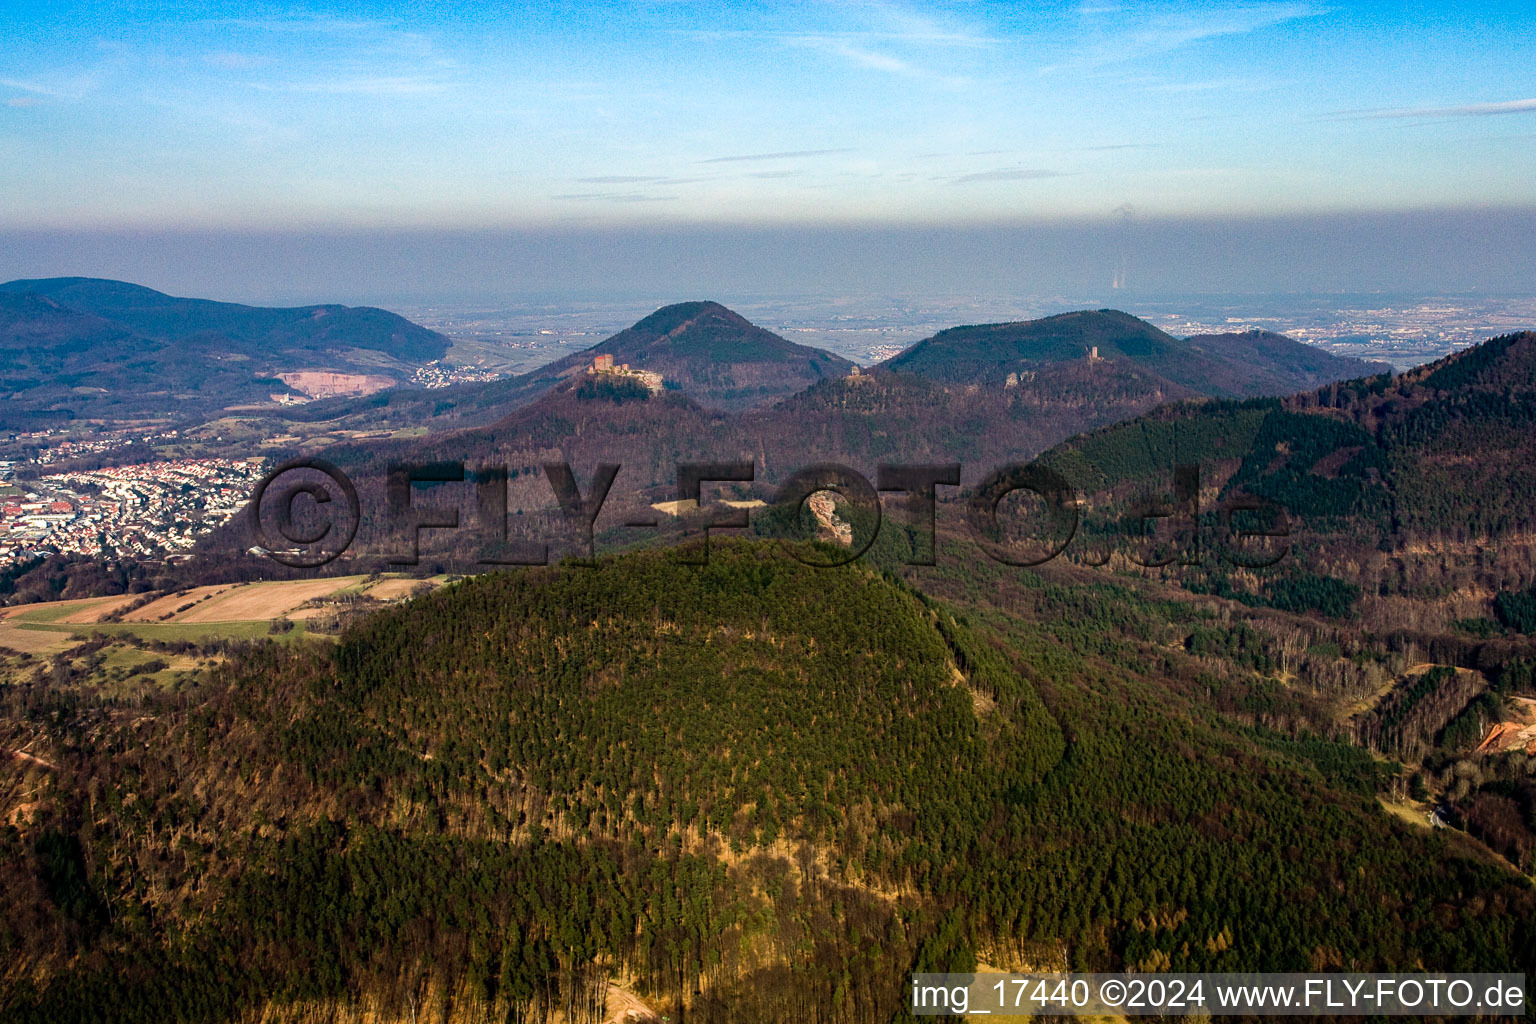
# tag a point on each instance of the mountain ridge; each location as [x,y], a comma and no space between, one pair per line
[168,318]
[1264,364]
[1373,472]
[1166,365]
[693,346]
[78,347]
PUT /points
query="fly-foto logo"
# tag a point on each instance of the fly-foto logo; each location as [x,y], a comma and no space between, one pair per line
[306,513]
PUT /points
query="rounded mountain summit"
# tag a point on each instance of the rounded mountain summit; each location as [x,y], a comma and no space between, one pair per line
[716,356]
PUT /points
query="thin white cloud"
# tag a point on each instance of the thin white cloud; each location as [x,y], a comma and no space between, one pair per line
[861,54]
[915,36]
[1120,36]
[366,85]
[372,33]
[614,197]
[1218,85]
[641,179]
[1466,110]
[363,40]
[72,89]
[230,61]
[317,23]
[1007,174]
[901,24]
[1171,31]
[883,37]
[335,56]
[863,57]
[785,155]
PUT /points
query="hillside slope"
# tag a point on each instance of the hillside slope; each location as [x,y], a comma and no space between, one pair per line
[859,422]
[744,787]
[1254,363]
[1416,485]
[714,355]
[1229,366]
[83,347]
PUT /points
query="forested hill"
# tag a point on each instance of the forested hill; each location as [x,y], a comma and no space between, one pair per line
[1226,365]
[1253,363]
[856,421]
[751,792]
[72,347]
[1442,450]
[713,355]
[249,330]
[1413,487]
[861,421]
[719,357]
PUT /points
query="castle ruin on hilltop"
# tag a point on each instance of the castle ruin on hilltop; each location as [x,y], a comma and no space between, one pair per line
[603,366]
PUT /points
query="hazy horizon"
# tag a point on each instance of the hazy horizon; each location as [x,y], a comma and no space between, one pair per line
[1424,252]
[427,153]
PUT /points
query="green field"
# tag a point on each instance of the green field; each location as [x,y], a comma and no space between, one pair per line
[195,632]
[53,612]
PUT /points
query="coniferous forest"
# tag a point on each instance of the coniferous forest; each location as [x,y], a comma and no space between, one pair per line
[744,788]
[748,791]
[1098,549]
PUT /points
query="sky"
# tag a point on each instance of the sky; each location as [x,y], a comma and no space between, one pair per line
[548,130]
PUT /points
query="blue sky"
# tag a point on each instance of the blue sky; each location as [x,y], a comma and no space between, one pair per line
[433,115]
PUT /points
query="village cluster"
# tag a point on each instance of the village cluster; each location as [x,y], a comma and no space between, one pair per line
[156,508]
[437,374]
[50,447]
